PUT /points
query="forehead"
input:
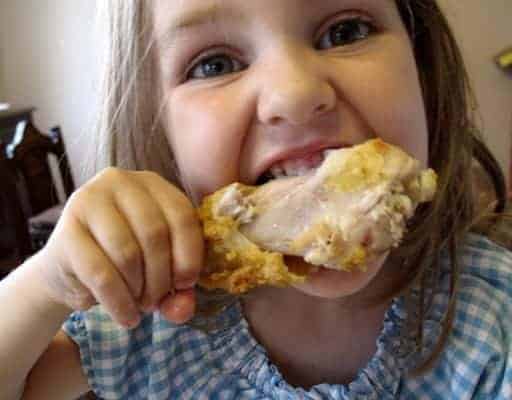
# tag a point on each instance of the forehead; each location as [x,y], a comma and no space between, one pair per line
[177,16]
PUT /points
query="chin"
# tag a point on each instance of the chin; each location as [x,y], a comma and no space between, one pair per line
[332,284]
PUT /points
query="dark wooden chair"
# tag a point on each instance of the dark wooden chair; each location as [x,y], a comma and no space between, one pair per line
[15,243]
[28,152]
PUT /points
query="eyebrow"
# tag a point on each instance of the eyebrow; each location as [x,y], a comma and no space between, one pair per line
[211,14]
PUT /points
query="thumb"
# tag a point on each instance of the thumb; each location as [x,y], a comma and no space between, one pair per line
[178,307]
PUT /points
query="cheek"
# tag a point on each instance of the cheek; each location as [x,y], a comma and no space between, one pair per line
[205,139]
[388,95]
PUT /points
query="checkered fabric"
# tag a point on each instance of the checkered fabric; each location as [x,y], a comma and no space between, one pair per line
[159,360]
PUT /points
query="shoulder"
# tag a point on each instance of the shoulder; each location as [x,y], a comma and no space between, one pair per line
[487,262]
[485,282]
[475,361]
[484,296]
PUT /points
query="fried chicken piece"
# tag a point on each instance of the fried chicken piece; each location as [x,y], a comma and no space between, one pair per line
[342,215]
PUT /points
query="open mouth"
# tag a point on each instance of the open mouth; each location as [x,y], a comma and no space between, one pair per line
[293,167]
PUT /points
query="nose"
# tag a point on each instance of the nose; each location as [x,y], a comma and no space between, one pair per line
[295,90]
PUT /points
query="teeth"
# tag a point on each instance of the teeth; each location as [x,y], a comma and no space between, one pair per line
[298,171]
[328,151]
[277,171]
[297,167]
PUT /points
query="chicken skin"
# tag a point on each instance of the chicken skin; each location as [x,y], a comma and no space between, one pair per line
[341,215]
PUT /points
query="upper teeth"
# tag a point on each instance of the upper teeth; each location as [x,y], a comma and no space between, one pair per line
[298,166]
[278,171]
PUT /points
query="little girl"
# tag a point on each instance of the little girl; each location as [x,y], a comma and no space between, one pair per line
[206,93]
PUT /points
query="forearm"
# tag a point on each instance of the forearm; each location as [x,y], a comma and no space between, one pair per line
[29,321]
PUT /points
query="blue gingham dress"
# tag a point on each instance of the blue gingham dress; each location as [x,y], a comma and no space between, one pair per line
[159,360]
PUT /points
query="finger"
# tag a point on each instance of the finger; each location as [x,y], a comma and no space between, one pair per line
[186,235]
[113,233]
[179,308]
[95,271]
[152,232]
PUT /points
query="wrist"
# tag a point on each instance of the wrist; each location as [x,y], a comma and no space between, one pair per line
[36,291]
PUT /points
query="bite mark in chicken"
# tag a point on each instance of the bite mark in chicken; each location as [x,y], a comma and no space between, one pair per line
[342,216]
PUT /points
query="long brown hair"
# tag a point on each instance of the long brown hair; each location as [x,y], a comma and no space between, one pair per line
[454,142]
[129,134]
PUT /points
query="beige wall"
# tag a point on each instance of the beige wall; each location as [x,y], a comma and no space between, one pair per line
[48,60]
[483,29]
[2,64]
[52,55]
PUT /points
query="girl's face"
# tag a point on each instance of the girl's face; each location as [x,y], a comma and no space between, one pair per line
[248,83]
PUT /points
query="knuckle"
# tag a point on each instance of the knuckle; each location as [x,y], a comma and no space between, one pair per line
[187,218]
[97,185]
[105,179]
[75,196]
[182,201]
[76,200]
[82,198]
[103,281]
[111,173]
[128,257]
[81,301]
[155,234]
[149,175]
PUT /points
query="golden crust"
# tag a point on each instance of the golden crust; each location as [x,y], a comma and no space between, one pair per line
[367,165]
[236,264]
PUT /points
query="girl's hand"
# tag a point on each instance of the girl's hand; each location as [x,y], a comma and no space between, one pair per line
[129,241]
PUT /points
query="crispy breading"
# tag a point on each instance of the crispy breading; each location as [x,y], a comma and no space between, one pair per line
[343,215]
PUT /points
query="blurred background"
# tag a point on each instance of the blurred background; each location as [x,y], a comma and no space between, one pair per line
[49,52]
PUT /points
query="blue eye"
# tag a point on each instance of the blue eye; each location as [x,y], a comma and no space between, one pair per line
[214,66]
[346,32]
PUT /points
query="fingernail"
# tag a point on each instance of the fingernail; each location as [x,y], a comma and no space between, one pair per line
[133,322]
[149,308]
[186,284]
[179,304]
[146,305]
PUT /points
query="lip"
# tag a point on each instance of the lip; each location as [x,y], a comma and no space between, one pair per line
[295,152]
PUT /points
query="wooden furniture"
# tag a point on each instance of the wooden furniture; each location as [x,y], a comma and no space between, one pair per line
[10,118]
[14,237]
[29,150]
[29,201]
[15,243]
